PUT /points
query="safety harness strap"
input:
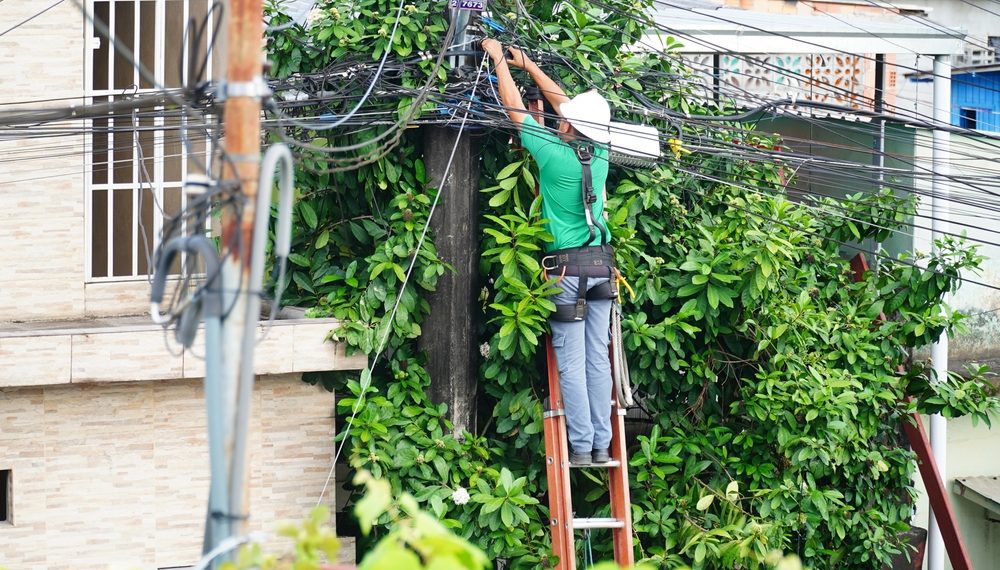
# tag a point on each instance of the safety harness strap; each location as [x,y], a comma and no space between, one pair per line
[585,154]
[578,311]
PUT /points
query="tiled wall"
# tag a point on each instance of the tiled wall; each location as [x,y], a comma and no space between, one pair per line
[116,475]
[41,192]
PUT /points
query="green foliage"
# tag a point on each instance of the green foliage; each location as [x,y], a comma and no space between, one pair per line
[314,544]
[416,540]
[772,388]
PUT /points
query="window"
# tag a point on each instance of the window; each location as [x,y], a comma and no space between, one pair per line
[140,159]
[5,496]
[967,118]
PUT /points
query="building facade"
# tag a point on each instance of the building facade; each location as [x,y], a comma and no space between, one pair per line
[103,454]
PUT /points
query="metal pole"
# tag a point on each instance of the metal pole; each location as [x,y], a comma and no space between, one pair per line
[940,158]
[243,90]
[879,144]
[276,155]
[216,527]
[717,77]
[461,19]
[879,107]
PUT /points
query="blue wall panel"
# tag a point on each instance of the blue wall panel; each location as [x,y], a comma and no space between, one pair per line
[978,91]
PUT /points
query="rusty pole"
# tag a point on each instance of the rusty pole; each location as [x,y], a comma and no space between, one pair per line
[244,88]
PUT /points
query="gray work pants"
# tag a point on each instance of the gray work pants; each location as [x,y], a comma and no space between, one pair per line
[581,349]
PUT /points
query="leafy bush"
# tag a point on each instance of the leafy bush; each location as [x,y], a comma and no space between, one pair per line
[773,393]
[415,541]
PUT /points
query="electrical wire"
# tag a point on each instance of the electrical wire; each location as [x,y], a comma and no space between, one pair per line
[30,18]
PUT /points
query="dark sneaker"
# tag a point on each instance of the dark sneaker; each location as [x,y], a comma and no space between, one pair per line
[580,458]
[600,456]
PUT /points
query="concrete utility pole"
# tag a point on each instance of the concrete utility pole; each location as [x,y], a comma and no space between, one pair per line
[941,160]
[244,88]
[449,333]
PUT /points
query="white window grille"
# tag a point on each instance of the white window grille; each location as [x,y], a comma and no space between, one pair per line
[138,160]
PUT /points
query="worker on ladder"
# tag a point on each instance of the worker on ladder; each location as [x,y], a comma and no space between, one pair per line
[573,169]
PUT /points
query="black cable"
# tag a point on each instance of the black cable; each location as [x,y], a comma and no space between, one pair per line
[910,224]
[30,18]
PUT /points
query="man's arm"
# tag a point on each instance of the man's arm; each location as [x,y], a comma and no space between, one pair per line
[509,94]
[549,88]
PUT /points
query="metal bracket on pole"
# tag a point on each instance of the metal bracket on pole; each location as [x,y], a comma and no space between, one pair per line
[256,89]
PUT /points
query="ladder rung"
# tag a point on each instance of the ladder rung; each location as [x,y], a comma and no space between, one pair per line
[612,463]
[579,524]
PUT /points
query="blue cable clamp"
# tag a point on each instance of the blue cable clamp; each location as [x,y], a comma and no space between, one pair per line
[493,24]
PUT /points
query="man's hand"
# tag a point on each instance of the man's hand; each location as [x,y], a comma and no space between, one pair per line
[494,49]
[509,93]
[516,58]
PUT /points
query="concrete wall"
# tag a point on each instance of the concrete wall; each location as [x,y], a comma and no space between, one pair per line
[971,157]
[116,475]
[973,17]
[42,180]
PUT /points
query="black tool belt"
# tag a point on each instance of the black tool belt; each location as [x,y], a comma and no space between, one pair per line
[584,262]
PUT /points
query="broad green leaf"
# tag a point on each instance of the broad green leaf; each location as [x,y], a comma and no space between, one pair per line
[705,502]
[323,239]
[308,214]
[509,169]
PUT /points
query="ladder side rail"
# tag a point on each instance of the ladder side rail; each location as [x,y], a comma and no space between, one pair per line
[557,468]
[618,487]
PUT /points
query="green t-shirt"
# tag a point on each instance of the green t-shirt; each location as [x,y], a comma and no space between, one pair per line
[561,176]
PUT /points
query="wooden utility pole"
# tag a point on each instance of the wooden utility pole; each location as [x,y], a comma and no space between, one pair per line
[244,88]
[449,332]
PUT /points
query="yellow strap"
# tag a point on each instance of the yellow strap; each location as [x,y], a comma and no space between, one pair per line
[621,279]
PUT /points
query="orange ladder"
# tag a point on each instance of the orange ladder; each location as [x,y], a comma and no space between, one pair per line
[557,467]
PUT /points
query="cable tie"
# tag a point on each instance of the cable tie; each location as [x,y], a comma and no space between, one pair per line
[198,184]
[256,88]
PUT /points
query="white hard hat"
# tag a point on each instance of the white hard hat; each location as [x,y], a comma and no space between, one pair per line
[590,114]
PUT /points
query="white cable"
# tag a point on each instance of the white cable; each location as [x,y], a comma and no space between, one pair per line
[402,289]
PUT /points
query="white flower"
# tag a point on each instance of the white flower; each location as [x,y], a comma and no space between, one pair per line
[484,349]
[315,15]
[460,496]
